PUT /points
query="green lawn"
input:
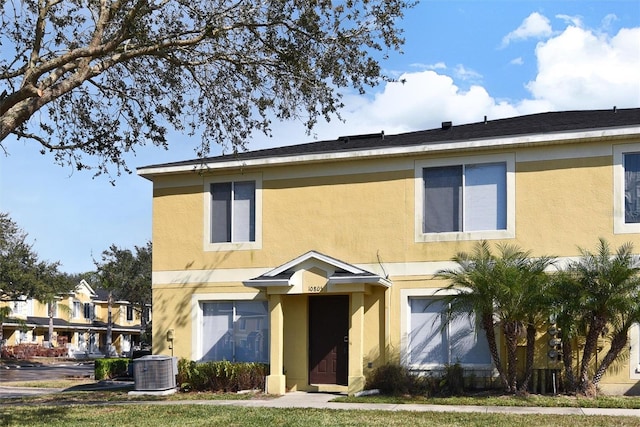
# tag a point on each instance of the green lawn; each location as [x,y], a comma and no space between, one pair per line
[141,415]
[562,401]
[69,409]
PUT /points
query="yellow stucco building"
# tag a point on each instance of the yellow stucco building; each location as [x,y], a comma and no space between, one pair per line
[319,258]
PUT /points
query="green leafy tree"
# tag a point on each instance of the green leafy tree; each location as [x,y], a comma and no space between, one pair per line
[126,275]
[104,77]
[22,273]
[502,290]
[58,284]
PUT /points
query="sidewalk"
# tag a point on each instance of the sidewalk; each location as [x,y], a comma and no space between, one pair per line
[324,401]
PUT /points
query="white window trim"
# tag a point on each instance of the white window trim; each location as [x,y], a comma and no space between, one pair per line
[77,314]
[619,224]
[508,233]
[405,327]
[232,246]
[634,352]
[197,314]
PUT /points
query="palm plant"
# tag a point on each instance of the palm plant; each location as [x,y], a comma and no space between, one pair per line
[500,290]
[476,295]
[608,286]
[566,302]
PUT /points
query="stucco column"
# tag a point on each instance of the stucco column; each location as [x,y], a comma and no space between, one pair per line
[276,380]
[356,344]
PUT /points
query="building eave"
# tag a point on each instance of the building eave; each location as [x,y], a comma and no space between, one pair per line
[512,141]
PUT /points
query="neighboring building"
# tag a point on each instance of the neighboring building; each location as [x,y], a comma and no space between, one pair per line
[79,323]
[319,258]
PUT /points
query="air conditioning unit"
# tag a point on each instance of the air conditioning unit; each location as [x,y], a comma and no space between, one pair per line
[155,373]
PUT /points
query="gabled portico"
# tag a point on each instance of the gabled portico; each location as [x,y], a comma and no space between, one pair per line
[341,311]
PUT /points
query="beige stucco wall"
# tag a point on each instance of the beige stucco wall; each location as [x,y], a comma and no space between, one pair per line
[363,212]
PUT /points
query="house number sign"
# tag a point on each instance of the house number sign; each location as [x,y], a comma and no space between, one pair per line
[315,289]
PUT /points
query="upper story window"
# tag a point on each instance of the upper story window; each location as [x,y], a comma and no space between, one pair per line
[233,216]
[129,313]
[464,200]
[88,311]
[233,212]
[22,308]
[76,309]
[626,166]
[631,188]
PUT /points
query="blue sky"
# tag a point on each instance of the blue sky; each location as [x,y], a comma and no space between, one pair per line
[462,60]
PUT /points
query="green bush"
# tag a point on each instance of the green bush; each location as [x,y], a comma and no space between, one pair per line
[110,368]
[452,383]
[223,376]
[396,380]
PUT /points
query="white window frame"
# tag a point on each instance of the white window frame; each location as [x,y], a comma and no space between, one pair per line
[508,233]
[619,224]
[77,310]
[197,316]
[405,327]
[634,352]
[232,246]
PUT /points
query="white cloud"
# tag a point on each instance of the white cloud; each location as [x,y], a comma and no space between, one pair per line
[466,74]
[571,20]
[517,61]
[533,26]
[436,66]
[579,69]
[608,20]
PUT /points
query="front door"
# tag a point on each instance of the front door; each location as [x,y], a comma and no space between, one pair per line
[328,339]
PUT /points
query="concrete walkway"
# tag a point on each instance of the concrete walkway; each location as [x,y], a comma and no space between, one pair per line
[324,401]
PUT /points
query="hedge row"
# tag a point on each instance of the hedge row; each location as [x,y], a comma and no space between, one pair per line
[221,376]
[111,368]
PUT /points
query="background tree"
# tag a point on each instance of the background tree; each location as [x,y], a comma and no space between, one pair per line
[22,274]
[58,284]
[126,276]
[106,76]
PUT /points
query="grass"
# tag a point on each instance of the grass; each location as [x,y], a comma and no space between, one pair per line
[562,401]
[69,409]
[74,394]
[141,415]
[58,383]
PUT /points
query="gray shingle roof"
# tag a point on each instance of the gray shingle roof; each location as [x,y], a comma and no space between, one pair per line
[541,123]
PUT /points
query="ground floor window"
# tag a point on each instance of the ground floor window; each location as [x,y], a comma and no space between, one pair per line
[434,342]
[235,330]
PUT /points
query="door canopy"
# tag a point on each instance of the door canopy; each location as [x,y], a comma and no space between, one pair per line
[319,273]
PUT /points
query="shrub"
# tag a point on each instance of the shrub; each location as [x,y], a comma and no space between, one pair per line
[452,383]
[223,376]
[396,380]
[110,368]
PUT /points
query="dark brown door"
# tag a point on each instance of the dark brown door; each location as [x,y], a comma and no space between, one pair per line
[328,339]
